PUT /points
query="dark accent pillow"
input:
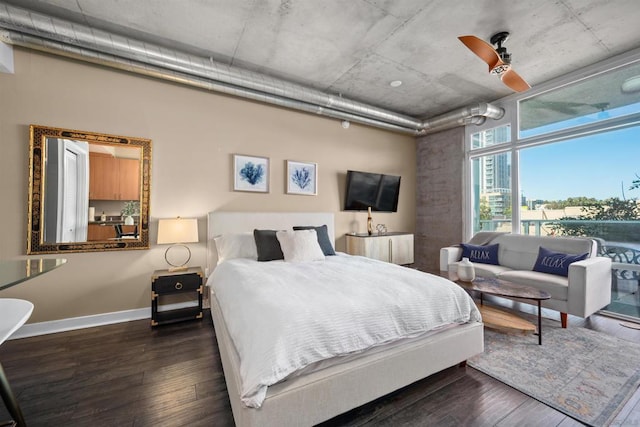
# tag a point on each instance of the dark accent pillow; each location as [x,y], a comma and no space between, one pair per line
[323,237]
[483,254]
[267,245]
[555,262]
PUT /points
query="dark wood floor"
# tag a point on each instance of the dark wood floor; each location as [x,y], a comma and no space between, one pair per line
[131,375]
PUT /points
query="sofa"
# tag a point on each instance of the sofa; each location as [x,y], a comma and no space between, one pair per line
[585,289]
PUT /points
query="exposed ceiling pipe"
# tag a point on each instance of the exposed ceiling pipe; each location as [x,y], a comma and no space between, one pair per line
[157,72]
[68,33]
[473,114]
[53,35]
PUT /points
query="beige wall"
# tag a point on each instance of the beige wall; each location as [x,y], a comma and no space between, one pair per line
[194,135]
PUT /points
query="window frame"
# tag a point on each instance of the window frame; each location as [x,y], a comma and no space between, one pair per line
[510,104]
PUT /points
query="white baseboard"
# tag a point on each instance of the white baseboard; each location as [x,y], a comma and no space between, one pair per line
[73,323]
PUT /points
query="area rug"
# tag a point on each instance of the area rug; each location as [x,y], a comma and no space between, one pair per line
[583,373]
[631,325]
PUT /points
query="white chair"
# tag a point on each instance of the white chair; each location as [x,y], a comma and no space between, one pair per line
[13,314]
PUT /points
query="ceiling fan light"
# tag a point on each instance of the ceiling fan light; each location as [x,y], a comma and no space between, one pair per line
[631,85]
[499,70]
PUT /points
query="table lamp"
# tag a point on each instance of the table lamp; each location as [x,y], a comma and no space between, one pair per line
[177,232]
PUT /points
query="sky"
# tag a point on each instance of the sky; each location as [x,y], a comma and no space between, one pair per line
[599,166]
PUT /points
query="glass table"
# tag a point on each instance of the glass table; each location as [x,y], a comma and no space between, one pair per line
[13,272]
[499,319]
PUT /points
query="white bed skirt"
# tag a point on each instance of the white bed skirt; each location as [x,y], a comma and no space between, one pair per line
[310,399]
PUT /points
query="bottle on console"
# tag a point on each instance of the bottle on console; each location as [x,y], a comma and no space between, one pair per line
[369,222]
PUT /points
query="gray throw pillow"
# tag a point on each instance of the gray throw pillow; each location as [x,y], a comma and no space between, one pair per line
[267,245]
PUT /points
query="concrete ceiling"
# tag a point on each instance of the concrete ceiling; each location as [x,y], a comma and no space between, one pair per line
[357,47]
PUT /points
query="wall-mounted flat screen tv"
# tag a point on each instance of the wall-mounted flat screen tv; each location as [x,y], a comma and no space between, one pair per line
[375,190]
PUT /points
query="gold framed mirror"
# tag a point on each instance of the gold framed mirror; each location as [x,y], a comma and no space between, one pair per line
[87,191]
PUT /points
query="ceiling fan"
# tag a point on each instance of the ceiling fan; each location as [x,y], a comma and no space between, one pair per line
[498,59]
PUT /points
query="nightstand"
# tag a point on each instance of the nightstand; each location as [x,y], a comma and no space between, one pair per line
[164,283]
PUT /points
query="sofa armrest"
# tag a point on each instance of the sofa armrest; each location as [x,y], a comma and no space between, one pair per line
[589,286]
[449,255]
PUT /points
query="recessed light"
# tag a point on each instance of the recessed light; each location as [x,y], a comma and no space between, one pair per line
[631,85]
[395,83]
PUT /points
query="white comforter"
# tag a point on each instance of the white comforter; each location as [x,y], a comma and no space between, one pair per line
[285,316]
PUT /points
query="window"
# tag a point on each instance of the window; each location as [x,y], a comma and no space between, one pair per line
[571,168]
[491,182]
[583,186]
[605,96]
[490,137]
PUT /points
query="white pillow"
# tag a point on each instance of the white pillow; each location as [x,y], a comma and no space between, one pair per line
[300,245]
[236,245]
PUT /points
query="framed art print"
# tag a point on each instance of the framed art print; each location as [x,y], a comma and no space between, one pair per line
[302,178]
[250,173]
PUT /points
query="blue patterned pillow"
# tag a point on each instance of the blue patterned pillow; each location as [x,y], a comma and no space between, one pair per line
[483,254]
[555,262]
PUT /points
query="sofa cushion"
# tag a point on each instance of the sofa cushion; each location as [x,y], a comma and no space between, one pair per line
[489,270]
[485,237]
[484,270]
[481,254]
[520,252]
[557,286]
[555,262]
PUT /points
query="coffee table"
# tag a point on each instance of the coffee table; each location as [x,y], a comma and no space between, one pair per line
[500,319]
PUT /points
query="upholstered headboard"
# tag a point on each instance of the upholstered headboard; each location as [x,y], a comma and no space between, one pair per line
[237,222]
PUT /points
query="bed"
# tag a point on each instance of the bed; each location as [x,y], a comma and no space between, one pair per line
[325,388]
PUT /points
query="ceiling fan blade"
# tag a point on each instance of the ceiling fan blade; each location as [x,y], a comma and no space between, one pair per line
[484,50]
[514,81]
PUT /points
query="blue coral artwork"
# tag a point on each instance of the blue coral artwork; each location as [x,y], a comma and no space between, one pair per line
[302,178]
[251,173]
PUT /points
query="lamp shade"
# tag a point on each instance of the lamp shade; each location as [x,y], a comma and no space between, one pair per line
[177,230]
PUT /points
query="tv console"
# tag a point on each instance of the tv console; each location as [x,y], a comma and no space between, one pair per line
[394,247]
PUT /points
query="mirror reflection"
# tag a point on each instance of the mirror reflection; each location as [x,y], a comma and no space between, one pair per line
[87,188]
[88,191]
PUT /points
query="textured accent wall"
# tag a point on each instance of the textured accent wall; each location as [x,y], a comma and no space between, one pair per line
[439,185]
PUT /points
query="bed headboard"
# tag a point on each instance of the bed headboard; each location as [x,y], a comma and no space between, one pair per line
[238,222]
